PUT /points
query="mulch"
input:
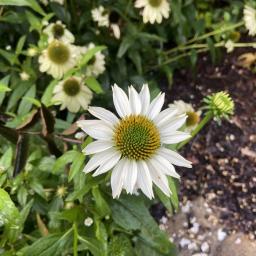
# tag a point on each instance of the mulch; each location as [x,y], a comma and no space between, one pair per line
[223,156]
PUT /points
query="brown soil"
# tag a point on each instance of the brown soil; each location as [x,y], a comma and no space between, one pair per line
[224,157]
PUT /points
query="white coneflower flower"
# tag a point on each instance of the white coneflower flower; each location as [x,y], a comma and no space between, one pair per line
[58,31]
[32,52]
[101,16]
[24,76]
[88,221]
[250,19]
[154,10]
[58,58]
[96,65]
[72,94]
[230,46]
[193,117]
[134,145]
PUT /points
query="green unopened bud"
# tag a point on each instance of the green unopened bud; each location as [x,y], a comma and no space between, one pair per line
[220,104]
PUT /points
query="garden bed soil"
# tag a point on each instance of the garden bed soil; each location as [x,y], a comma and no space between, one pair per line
[223,156]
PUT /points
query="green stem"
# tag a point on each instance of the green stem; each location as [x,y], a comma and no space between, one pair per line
[203,122]
[75,239]
[212,33]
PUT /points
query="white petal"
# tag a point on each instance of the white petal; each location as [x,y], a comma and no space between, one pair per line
[134,100]
[121,101]
[174,157]
[144,98]
[97,146]
[156,106]
[108,164]
[104,115]
[144,180]
[159,179]
[131,175]
[117,178]
[97,129]
[165,116]
[175,137]
[162,165]
[99,159]
[173,125]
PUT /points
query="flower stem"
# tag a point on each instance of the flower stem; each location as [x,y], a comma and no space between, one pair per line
[75,239]
[203,122]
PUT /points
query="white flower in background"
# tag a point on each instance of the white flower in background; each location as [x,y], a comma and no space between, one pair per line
[116,30]
[58,31]
[58,58]
[96,64]
[45,2]
[230,46]
[193,117]
[101,16]
[250,19]
[88,221]
[8,47]
[134,145]
[24,76]
[72,94]
[32,52]
[153,10]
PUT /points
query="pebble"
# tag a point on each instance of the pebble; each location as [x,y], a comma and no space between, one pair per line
[186,208]
[192,246]
[238,241]
[221,235]
[195,228]
[205,247]
[184,242]
[200,254]
[164,220]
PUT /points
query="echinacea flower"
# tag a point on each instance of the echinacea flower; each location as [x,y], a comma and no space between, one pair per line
[58,31]
[134,145]
[101,16]
[153,10]
[193,117]
[250,19]
[72,94]
[58,58]
[96,64]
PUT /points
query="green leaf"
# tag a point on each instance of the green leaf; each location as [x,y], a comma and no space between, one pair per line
[92,244]
[35,23]
[26,106]
[9,133]
[4,88]
[54,244]
[20,45]
[6,159]
[10,57]
[174,196]
[120,245]
[101,204]
[47,96]
[36,102]
[66,158]
[93,84]
[10,217]
[29,3]
[76,165]
[89,55]
[131,213]
[4,82]
[124,46]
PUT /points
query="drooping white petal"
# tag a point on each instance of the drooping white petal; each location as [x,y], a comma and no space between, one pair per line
[108,164]
[156,106]
[164,166]
[173,125]
[97,129]
[145,99]
[99,159]
[165,117]
[159,179]
[97,146]
[104,115]
[131,175]
[117,178]
[174,137]
[174,157]
[144,180]
[134,100]
[121,101]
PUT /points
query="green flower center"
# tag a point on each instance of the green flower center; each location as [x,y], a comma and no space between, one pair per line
[155,3]
[58,52]
[223,103]
[57,30]
[137,137]
[71,87]
[192,119]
